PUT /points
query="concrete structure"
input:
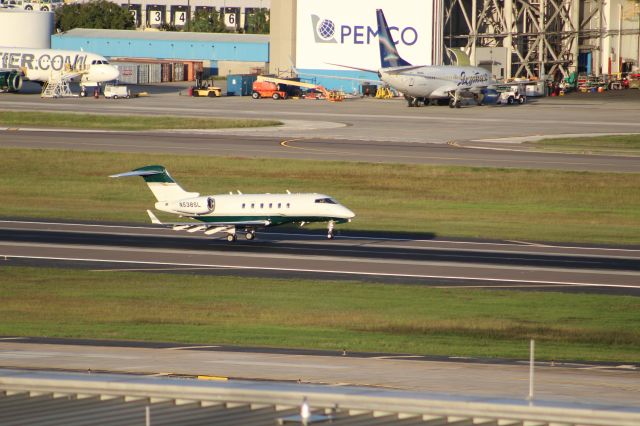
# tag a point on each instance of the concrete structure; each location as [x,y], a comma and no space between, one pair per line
[41,398]
[221,53]
[546,38]
[23,28]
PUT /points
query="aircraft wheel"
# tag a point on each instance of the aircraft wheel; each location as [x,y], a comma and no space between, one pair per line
[231,238]
[330,236]
[83,94]
[250,235]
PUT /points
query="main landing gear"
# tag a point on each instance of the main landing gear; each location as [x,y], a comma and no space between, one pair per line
[250,234]
[330,235]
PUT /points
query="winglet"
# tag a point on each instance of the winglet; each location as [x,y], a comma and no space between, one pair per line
[153,218]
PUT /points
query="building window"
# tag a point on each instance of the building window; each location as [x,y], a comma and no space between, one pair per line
[243,205]
[288,205]
[262,205]
[253,205]
[279,205]
[270,205]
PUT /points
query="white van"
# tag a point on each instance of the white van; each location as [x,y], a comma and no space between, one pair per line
[115,92]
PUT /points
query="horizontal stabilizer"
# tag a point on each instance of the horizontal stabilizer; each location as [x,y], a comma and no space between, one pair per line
[154,218]
[138,173]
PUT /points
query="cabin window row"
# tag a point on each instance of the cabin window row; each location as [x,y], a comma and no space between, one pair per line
[262,205]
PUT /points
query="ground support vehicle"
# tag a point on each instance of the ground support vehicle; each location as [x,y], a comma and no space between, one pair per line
[112,91]
[267,89]
[273,87]
[207,88]
[511,94]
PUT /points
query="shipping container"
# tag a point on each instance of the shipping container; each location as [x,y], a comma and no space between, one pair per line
[128,73]
[178,71]
[240,84]
[143,73]
[167,72]
[155,73]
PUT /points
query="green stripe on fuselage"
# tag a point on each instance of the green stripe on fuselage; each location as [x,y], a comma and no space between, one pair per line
[273,220]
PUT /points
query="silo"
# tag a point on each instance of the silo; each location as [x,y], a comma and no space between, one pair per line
[26,28]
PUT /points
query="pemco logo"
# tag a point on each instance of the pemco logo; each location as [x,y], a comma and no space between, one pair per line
[326,31]
[323,30]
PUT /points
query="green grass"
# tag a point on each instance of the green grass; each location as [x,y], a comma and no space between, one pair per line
[317,314]
[616,145]
[123,122]
[534,205]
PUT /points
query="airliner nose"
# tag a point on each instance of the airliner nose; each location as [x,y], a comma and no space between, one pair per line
[113,73]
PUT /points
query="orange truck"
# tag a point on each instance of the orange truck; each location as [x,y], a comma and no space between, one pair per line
[267,89]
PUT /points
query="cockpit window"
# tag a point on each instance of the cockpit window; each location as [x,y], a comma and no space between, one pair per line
[325,201]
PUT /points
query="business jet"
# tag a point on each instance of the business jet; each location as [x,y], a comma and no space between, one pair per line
[228,213]
[43,65]
[421,83]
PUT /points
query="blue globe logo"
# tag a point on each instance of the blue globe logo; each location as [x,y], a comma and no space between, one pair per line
[326,29]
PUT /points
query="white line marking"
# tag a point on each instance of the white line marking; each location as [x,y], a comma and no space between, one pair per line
[12,338]
[354,273]
[192,347]
[278,364]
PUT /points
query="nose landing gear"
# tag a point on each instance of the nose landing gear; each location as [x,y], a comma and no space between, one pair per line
[330,235]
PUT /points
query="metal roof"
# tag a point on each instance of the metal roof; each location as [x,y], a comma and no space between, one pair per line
[166,36]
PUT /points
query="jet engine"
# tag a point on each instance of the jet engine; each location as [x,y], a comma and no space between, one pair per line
[11,81]
[188,206]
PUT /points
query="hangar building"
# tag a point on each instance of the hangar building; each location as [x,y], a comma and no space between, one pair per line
[513,38]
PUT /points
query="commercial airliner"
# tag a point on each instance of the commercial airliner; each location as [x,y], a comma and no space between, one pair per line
[420,83]
[228,213]
[43,65]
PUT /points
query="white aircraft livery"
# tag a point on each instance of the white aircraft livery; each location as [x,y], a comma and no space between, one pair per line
[420,83]
[227,213]
[88,69]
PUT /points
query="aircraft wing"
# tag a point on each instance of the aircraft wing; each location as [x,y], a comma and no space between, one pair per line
[209,228]
[355,68]
[400,70]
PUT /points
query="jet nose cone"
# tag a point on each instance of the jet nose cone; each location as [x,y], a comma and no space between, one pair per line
[348,214]
[113,73]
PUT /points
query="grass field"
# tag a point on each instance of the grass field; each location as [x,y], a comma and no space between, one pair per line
[122,122]
[317,314]
[535,205]
[616,145]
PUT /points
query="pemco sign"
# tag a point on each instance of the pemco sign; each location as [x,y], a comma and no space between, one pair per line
[346,32]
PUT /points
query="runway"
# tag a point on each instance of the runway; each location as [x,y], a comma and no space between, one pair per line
[382,258]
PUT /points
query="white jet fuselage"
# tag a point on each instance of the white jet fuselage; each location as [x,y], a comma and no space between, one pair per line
[41,64]
[435,82]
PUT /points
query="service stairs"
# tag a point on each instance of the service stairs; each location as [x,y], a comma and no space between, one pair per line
[58,86]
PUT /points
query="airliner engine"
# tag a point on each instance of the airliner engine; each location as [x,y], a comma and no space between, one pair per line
[189,206]
[10,81]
